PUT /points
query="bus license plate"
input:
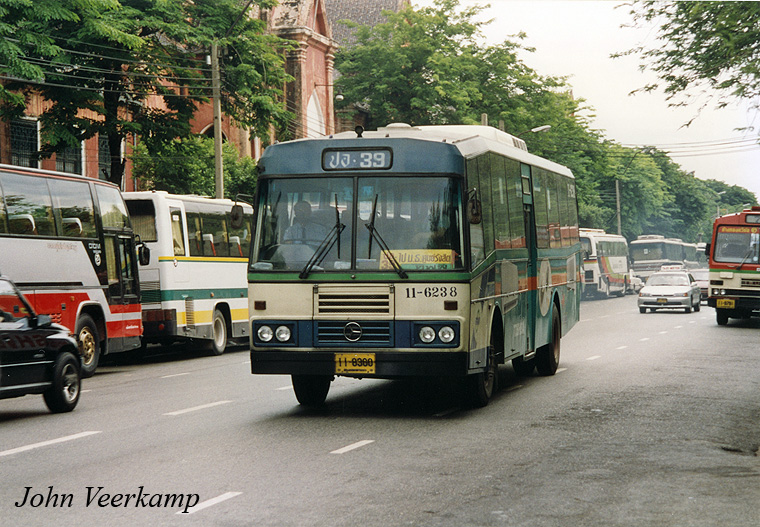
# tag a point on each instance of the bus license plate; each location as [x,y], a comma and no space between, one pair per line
[354,363]
[726,303]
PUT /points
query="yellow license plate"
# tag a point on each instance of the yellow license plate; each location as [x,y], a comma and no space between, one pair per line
[662,300]
[726,303]
[355,363]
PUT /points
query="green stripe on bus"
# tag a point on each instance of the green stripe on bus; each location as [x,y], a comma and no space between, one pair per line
[166,295]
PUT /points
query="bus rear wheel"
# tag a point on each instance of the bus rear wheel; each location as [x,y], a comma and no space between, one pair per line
[311,390]
[218,333]
[89,345]
[547,356]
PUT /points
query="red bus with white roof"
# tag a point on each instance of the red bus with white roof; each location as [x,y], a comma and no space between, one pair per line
[734,256]
[68,244]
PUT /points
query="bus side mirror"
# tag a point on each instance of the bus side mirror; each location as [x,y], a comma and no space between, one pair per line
[474,209]
[708,246]
[143,255]
[236,216]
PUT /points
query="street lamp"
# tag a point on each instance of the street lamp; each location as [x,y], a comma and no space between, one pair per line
[535,130]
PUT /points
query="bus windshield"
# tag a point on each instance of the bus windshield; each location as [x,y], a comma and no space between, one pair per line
[737,245]
[418,220]
[649,251]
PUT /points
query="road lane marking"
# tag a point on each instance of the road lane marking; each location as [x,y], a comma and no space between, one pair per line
[677,327]
[353,446]
[621,347]
[208,503]
[46,443]
[559,370]
[194,408]
[175,375]
[284,388]
[594,357]
[663,332]
[644,339]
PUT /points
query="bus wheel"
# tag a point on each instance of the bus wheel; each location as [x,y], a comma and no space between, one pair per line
[89,345]
[311,390]
[722,317]
[547,357]
[218,333]
[482,385]
[63,395]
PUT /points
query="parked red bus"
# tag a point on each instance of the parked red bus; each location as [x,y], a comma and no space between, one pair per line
[67,242]
[734,257]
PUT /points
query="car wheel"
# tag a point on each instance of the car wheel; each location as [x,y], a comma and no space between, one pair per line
[218,333]
[311,390]
[687,309]
[642,310]
[89,345]
[698,305]
[547,357]
[63,395]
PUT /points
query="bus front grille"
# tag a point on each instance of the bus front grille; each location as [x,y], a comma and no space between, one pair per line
[354,300]
[363,333]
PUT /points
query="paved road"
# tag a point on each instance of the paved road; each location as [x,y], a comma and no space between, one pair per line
[651,420]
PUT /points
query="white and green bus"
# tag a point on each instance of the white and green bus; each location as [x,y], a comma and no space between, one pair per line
[606,266]
[195,285]
[438,251]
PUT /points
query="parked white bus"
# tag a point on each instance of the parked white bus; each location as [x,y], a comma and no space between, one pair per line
[606,265]
[195,285]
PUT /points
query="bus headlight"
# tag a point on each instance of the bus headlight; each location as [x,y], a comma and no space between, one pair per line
[446,334]
[265,334]
[282,333]
[427,334]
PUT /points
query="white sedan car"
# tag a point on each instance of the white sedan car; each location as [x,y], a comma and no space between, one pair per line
[670,290]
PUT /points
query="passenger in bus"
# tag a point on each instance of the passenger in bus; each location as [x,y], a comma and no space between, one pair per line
[303,228]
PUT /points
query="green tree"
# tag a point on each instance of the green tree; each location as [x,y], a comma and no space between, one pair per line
[706,45]
[186,166]
[99,62]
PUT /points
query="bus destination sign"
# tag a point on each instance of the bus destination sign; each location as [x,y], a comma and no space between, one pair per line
[374,159]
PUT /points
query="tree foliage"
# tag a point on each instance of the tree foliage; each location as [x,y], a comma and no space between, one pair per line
[121,67]
[703,48]
[186,166]
[430,66]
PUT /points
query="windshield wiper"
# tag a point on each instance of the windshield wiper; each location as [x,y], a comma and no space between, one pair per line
[322,250]
[381,243]
[744,260]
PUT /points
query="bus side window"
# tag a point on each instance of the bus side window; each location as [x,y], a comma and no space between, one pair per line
[74,209]
[178,232]
[28,197]
[195,235]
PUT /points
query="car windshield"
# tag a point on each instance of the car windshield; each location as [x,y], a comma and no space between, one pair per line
[668,279]
[11,305]
[361,223]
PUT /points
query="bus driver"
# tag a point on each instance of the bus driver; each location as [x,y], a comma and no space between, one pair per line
[303,228]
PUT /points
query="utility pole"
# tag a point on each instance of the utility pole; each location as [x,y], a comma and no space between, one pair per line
[617,199]
[216,85]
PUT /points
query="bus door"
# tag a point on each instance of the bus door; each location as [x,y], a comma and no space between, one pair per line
[532,266]
[125,327]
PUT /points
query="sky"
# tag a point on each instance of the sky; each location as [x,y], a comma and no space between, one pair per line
[575,38]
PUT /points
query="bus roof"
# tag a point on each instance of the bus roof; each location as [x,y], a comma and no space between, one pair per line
[438,149]
[40,172]
[162,194]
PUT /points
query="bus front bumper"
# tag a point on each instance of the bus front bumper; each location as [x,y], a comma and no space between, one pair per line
[387,364]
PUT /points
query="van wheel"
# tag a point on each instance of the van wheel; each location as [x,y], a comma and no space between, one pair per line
[218,333]
[547,357]
[89,345]
[311,390]
[63,395]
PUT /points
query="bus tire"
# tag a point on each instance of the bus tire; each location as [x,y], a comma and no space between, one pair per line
[547,357]
[483,385]
[311,390]
[63,395]
[89,345]
[218,333]
[522,367]
[721,316]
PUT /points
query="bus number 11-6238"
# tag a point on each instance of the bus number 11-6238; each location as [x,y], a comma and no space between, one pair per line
[431,292]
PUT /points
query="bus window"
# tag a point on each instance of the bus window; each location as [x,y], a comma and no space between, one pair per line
[514,197]
[74,211]
[477,248]
[143,215]
[112,209]
[178,232]
[30,210]
[214,235]
[195,234]
[501,220]
[541,209]
[240,239]
[3,224]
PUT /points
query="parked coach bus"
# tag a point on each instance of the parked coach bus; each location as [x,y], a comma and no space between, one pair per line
[734,256]
[606,267]
[195,285]
[68,244]
[428,251]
